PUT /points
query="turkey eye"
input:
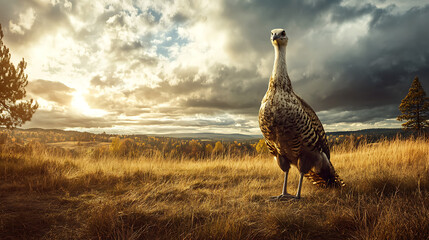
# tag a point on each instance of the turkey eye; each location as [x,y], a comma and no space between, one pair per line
[271,33]
[283,33]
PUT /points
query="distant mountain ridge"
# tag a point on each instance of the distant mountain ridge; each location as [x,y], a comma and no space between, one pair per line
[387,132]
[209,136]
[371,130]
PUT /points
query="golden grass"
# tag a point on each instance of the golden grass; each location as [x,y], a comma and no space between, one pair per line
[49,197]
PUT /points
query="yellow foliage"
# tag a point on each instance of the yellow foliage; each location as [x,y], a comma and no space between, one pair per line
[261,147]
[209,149]
[218,148]
[124,147]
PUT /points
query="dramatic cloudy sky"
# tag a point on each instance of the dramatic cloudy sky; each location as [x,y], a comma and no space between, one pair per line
[203,66]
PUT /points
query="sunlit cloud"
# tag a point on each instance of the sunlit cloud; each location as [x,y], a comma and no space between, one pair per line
[25,22]
[79,105]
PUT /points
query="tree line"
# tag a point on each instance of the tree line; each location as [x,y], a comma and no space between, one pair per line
[97,146]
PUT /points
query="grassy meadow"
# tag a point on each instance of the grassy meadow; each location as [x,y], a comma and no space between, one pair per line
[45,195]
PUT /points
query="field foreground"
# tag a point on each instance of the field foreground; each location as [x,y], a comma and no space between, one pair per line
[43,196]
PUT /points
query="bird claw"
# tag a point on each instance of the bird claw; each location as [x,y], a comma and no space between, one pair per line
[283,197]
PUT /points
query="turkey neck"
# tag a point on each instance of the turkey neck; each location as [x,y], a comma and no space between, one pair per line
[279,78]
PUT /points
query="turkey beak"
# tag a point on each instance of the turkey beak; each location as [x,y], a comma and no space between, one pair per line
[275,37]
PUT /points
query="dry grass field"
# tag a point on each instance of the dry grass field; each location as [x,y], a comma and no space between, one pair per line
[43,196]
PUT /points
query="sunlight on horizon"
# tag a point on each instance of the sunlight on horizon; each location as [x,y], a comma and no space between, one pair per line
[79,104]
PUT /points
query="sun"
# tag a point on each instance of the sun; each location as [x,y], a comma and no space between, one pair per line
[80,105]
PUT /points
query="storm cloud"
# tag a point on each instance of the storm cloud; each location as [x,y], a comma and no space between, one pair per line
[51,91]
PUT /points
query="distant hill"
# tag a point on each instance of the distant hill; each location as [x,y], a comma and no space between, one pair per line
[376,132]
[66,135]
[372,133]
[210,136]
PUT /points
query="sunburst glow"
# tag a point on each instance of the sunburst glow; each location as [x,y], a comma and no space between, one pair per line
[79,105]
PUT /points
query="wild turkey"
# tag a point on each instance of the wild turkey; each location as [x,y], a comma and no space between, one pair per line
[291,128]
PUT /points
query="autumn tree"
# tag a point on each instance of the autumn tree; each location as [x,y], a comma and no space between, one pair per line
[415,108]
[261,147]
[218,148]
[195,148]
[14,111]
[208,149]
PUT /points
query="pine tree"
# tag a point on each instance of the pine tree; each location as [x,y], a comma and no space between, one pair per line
[415,108]
[14,111]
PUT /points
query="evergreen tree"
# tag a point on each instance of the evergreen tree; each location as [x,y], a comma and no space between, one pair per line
[14,111]
[415,108]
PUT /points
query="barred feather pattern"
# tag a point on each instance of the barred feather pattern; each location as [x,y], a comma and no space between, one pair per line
[320,182]
[292,131]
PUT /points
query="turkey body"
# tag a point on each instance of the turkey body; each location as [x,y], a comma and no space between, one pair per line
[292,131]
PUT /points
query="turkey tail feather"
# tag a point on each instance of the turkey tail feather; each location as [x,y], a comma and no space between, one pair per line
[316,179]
